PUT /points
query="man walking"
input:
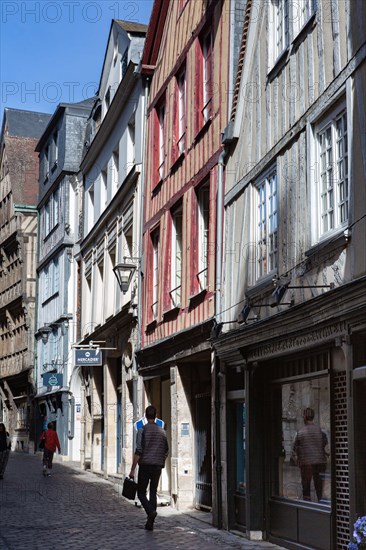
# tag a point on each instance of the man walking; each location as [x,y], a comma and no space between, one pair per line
[150,454]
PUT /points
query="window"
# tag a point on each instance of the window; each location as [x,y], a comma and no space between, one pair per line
[280,28]
[155,239]
[124,62]
[46,163]
[157,122]
[55,275]
[46,284]
[207,76]
[266,223]
[161,115]
[287,18]
[176,257]
[46,215]
[203,80]
[332,185]
[103,188]
[90,207]
[128,238]
[56,210]
[301,441]
[50,279]
[55,148]
[51,213]
[115,168]
[179,116]
[131,144]
[108,98]
[99,289]
[203,199]
[127,224]
[302,10]
[110,304]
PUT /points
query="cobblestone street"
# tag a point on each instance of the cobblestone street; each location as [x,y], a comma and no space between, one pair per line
[74,509]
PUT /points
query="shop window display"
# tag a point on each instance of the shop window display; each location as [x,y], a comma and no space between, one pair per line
[301,467]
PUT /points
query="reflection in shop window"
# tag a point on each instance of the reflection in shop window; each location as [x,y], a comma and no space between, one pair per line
[302,441]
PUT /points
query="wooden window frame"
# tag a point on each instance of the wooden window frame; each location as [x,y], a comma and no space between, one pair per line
[204,71]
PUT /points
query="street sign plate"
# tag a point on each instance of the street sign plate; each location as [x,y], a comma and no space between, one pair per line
[88,357]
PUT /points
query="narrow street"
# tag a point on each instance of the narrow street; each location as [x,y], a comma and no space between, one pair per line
[74,509]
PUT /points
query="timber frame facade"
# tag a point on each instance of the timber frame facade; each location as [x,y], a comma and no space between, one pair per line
[295,273]
[188,66]
[18,230]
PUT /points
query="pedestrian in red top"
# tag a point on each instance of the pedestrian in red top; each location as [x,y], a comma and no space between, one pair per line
[51,443]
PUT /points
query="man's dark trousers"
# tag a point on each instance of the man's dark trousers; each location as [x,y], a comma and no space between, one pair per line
[148,473]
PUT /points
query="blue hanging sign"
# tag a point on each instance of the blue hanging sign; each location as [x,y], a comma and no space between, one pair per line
[52,379]
[88,357]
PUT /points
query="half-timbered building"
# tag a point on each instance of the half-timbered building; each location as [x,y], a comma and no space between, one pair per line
[295,274]
[187,64]
[18,243]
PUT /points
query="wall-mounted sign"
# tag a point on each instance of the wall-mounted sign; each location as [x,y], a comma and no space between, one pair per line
[88,357]
[52,379]
[184,429]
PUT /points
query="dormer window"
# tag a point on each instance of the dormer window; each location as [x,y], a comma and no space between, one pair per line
[55,149]
[108,98]
[124,62]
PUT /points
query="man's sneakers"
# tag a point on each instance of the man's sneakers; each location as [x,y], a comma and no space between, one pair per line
[149,526]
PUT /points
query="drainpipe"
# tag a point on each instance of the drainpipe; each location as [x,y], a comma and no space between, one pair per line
[218,285]
[35,359]
[139,280]
[219,232]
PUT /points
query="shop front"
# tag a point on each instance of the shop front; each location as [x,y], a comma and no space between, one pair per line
[176,376]
[299,444]
[292,410]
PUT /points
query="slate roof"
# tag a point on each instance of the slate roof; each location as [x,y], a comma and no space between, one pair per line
[28,124]
[129,26]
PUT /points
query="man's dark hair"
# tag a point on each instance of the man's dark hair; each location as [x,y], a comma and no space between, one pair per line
[50,425]
[150,412]
[308,414]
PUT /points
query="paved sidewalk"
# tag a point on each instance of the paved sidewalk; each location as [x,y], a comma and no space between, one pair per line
[74,509]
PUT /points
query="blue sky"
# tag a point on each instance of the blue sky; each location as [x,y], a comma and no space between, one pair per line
[52,51]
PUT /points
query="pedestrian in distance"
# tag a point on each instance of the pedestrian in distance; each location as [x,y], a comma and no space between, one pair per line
[51,443]
[5,446]
[310,455]
[150,454]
